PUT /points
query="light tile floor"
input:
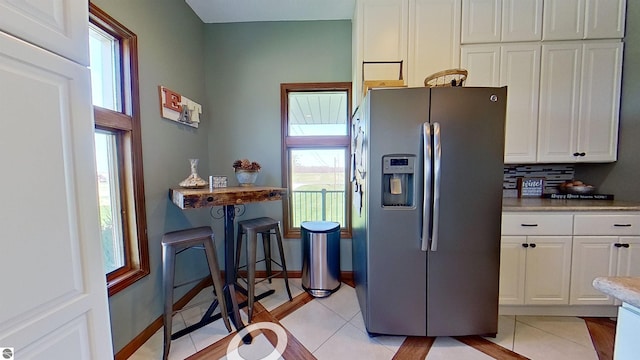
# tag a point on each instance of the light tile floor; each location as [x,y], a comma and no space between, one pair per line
[332,328]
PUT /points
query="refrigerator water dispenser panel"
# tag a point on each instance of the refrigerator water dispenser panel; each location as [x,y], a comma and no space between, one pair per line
[398,181]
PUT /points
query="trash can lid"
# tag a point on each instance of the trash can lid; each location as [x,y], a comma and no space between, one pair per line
[320,226]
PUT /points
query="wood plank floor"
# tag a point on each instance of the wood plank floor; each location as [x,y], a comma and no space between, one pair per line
[602,331]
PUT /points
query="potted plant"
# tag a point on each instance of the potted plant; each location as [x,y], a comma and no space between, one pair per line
[246,171]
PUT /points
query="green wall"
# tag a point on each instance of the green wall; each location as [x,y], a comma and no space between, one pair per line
[234,71]
[245,64]
[170,46]
[622,177]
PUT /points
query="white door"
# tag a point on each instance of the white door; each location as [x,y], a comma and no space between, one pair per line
[54,301]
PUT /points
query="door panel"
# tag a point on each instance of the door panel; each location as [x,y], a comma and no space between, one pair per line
[52,263]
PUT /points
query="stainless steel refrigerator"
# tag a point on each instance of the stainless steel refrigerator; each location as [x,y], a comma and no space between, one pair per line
[427,200]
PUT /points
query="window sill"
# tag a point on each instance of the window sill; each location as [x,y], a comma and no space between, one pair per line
[125,280]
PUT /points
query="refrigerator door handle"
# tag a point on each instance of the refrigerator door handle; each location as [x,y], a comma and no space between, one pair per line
[426,186]
[437,155]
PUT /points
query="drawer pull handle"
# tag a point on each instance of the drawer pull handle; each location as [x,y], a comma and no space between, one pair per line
[533,246]
[533,225]
[626,246]
[622,225]
[525,245]
[618,245]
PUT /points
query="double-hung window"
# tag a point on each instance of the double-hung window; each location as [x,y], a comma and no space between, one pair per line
[315,155]
[118,147]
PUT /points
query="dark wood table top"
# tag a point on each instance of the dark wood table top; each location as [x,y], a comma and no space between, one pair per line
[233,195]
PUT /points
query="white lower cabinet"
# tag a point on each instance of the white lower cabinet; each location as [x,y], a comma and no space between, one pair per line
[534,270]
[553,258]
[535,259]
[603,245]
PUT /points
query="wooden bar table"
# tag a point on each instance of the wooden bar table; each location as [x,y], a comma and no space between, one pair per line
[228,198]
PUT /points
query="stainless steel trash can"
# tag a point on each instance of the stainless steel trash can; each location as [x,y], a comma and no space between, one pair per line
[320,257]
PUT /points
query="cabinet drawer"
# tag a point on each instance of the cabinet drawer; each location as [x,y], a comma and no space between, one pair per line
[607,225]
[536,224]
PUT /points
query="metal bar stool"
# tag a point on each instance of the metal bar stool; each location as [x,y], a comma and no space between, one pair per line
[174,243]
[266,227]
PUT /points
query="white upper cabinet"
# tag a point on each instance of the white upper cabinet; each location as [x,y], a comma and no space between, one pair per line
[384,37]
[563,19]
[490,21]
[521,20]
[605,19]
[583,19]
[59,26]
[517,66]
[434,38]
[481,21]
[520,72]
[559,96]
[579,101]
[600,100]
[423,34]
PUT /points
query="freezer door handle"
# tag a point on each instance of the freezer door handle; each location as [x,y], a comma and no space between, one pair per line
[426,186]
[437,155]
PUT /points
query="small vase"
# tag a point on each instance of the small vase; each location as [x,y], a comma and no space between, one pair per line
[246,177]
[193,181]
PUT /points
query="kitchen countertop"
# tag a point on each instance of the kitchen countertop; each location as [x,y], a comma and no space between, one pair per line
[625,289]
[539,204]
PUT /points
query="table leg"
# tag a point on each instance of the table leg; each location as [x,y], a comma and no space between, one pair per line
[229,265]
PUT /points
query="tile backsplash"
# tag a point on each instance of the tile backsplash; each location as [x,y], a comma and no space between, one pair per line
[554,175]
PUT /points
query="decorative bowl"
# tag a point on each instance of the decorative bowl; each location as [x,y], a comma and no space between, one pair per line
[580,190]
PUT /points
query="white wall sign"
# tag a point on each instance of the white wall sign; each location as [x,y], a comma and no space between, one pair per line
[176,107]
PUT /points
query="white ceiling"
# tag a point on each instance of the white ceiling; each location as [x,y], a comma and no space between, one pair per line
[225,11]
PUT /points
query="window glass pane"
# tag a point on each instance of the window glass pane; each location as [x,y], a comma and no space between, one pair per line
[109,201]
[318,185]
[104,74]
[318,113]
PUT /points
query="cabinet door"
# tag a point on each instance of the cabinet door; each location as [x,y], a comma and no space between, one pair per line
[520,72]
[605,19]
[55,296]
[483,64]
[563,20]
[59,26]
[512,268]
[384,37]
[593,256]
[629,257]
[434,38]
[521,20]
[481,21]
[600,101]
[559,102]
[547,270]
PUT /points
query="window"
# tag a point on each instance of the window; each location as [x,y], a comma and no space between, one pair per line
[114,71]
[315,155]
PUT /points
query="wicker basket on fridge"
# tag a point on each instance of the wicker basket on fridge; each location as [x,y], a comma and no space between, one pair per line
[449,77]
